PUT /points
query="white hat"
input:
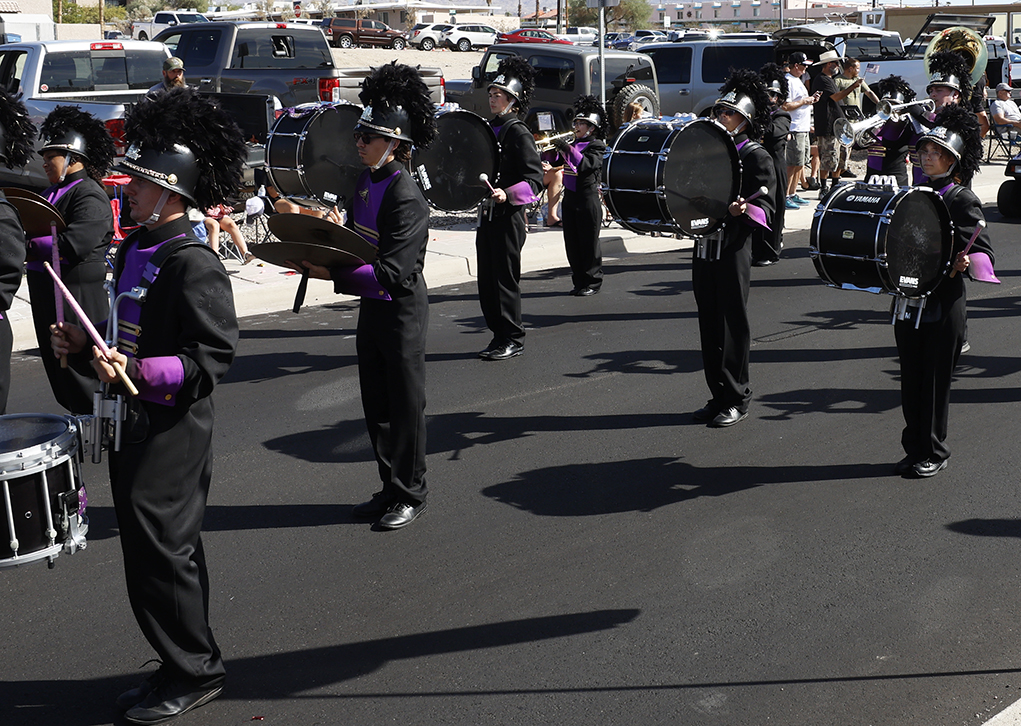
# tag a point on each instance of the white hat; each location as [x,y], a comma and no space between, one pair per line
[828,56]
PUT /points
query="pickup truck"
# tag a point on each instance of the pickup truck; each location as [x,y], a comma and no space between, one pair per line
[564,72]
[147,29]
[100,77]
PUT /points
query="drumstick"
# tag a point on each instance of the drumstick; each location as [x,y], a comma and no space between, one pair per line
[91,330]
[483,177]
[58,298]
[756,195]
[974,236]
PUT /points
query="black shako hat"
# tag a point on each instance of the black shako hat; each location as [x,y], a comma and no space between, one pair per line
[398,105]
[69,129]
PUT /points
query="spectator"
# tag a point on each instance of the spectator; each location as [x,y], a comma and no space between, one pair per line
[826,112]
[799,106]
[173,76]
[218,218]
[1004,110]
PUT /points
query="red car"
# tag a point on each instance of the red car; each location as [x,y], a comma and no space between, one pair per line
[530,35]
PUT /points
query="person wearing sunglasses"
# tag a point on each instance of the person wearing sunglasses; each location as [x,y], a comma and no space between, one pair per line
[721,268]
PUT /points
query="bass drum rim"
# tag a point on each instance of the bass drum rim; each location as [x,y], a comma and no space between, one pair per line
[425,166]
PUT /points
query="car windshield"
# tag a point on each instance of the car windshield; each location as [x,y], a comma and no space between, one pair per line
[192,18]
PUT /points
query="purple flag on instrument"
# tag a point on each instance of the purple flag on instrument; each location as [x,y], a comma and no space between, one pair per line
[757,215]
[981,268]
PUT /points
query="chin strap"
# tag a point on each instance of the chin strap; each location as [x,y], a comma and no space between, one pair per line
[158,209]
[386,154]
[69,159]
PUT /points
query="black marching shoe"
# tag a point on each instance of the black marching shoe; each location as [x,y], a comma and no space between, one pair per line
[134,696]
[401,514]
[728,417]
[375,507]
[510,349]
[584,291]
[929,467]
[170,699]
[905,466]
[707,413]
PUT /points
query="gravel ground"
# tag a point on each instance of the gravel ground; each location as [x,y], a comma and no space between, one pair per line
[453,63]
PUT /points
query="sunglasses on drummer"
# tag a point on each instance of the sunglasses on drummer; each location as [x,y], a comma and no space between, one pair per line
[724,111]
[365,138]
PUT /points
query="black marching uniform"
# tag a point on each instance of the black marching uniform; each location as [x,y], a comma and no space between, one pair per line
[721,288]
[86,210]
[502,229]
[768,243]
[389,210]
[928,354]
[12,259]
[582,212]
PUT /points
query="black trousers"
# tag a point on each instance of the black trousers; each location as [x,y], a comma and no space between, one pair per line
[721,294]
[928,357]
[582,214]
[498,243]
[72,390]
[6,347]
[159,491]
[391,372]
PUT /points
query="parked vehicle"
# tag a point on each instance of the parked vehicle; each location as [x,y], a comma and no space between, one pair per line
[623,41]
[1015,70]
[466,37]
[1008,196]
[146,29]
[426,36]
[100,77]
[291,63]
[608,38]
[530,35]
[580,36]
[650,33]
[349,32]
[564,72]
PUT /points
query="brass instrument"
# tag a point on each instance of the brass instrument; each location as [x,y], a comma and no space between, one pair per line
[863,133]
[546,142]
[966,43]
[895,111]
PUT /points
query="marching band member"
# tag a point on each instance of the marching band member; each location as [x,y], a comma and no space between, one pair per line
[582,209]
[502,223]
[391,213]
[721,282]
[77,152]
[16,132]
[949,154]
[887,156]
[949,82]
[175,344]
[767,243]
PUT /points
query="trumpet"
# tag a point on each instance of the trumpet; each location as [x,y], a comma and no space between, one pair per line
[861,134]
[546,142]
[895,111]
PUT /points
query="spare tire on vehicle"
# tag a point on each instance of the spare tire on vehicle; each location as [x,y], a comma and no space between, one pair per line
[636,92]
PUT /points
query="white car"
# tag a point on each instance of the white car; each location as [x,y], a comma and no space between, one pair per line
[580,36]
[466,37]
[426,36]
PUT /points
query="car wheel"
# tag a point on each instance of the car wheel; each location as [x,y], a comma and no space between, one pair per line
[427,44]
[634,93]
[143,36]
[464,45]
[346,41]
[1008,199]
[398,44]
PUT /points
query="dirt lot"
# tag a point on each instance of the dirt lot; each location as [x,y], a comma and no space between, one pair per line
[453,63]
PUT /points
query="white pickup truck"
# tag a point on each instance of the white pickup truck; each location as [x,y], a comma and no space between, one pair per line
[100,77]
[149,29]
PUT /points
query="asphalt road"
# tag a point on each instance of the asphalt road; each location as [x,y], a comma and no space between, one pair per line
[589,554]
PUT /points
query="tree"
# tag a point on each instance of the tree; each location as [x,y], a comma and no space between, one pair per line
[631,14]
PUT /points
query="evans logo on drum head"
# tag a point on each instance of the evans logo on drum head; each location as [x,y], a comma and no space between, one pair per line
[700,223]
[848,234]
[906,281]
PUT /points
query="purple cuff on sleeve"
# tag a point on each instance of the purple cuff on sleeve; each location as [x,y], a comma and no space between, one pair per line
[159,379]
[40,250]
[574,157]
[981,268]
[520,194]
[360,281]
[757,215]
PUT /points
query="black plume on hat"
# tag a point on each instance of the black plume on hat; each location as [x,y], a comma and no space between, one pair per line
[894,87]
[772,72]
[186,143]
[749,84]
[69,128]
[16,132]
[398,104]
[946,65]
[957,130]
[588,108]
[516,68]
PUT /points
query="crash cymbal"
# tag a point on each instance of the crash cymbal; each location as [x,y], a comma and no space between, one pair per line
[316,231]
[278,253]
[35,212]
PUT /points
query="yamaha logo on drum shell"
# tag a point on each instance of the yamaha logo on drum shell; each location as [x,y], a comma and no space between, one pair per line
[864,199]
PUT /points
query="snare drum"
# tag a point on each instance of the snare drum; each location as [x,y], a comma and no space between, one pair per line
[672,175]
[882,239]
[448,171]
[311,156]
[43,493]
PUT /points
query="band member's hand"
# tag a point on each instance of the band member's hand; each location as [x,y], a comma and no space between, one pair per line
[499,195]
[335,215]
[738,208]
[961,263]
[316,271]
[67,338]
[107,373]
[546,166]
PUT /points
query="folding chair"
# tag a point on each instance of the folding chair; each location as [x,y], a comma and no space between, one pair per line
[1002,137]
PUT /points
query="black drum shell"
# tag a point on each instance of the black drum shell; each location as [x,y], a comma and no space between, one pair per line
[311,155]
[882,239]
[448,171]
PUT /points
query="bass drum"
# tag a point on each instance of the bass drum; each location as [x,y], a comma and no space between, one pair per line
[311,156]
[656,177]
[882,239]
[448,171]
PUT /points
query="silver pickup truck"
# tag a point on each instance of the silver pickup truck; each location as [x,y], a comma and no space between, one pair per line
[100,77]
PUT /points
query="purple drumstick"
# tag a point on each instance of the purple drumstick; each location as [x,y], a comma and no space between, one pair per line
[58,298]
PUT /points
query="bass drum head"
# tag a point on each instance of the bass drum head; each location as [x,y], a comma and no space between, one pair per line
[919,243]
[448,171]
[702,177]
[632,173]
[311,154]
